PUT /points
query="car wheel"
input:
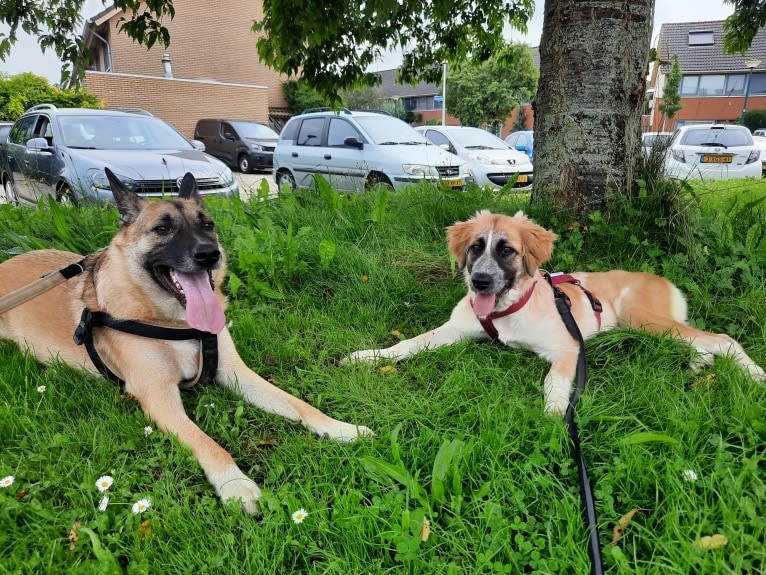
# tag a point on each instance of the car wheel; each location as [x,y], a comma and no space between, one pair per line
[376,180]
[10,191]
[287,179]
[65,196]
[243,164]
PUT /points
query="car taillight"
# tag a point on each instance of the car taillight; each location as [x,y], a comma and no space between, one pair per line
[754,155]
[678,155]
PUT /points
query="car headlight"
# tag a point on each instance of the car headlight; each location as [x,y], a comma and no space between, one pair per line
[678,156]
[227,176]
[99,181]
[465,172]
[754,155]
[420,170]
[256,147]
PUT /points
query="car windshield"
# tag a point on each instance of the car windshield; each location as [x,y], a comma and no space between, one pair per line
[476,139]
[254,130]
[128,132]
[387,130]
[717,136]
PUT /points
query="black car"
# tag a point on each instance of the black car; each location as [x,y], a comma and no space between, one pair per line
[242,144]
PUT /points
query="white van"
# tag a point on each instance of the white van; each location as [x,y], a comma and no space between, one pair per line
[357,150]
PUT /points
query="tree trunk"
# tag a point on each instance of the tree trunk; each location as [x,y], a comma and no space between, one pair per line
[593,67]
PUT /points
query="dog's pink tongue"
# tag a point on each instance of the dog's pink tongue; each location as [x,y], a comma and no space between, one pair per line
[203,311]
[483,304]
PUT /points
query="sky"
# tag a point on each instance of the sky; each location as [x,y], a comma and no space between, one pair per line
[26,55]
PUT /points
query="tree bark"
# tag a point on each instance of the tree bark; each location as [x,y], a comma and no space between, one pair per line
[593,67]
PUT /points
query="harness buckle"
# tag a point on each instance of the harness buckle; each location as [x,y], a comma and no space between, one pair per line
[83,333]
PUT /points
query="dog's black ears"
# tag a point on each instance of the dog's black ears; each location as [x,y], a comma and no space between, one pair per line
[128,203]
[188,189]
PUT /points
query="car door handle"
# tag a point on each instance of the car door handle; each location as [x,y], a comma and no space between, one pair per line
[327,157]
[294,154]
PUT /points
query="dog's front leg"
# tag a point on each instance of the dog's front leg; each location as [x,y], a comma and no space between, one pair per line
[161,402]
[558,382]
[234,374]
[461,325]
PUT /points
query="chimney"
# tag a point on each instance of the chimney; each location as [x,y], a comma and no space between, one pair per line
[166,65]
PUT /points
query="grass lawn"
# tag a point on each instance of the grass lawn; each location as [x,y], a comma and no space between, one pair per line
[465,474]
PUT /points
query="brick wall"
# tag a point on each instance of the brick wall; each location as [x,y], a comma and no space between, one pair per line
[209,40]
[180,102]
[724,109]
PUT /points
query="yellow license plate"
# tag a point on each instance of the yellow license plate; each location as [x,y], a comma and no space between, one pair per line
[452,183]
[523,178]
[710,159]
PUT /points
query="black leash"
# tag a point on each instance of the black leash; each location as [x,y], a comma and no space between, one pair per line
[83,335]
[563,305]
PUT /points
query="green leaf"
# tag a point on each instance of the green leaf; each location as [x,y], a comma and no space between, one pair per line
[647,437]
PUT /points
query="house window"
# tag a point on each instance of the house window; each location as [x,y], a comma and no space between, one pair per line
[712,85]
[757,84]
[735,84]
[701,38]
[689,85]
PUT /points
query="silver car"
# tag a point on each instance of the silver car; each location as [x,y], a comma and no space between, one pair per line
[62,153]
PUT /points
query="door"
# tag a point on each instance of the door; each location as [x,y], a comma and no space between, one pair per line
[228,141]
[347,168]
[43,169]
[16,150]
[308,154]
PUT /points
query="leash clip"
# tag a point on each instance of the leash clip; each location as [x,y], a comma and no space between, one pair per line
[84,331]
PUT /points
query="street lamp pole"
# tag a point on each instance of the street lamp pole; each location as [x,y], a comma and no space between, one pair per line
[750,65]
[444,93]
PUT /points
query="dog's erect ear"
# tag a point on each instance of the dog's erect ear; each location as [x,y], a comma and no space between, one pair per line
[459,237]
[537,244]
[188,189]
[129,203]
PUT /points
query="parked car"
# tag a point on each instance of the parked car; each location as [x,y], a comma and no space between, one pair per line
[655,139]
[62,152]
[760,142]
[357,150]
[760,132]
[241,144]
[715,151]
[523,141]
[492,162]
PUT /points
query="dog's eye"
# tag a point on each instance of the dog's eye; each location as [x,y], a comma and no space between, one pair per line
[208,226]
[161,230]
[477,248]
[507,250]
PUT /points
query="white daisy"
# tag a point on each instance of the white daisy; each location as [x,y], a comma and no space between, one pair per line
[689,475]
[103,503]
[299,516]
[104,482]
[141,505]
[148,431]
[7,481]
[40,389]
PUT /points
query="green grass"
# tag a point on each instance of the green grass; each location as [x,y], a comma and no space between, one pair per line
[461,436]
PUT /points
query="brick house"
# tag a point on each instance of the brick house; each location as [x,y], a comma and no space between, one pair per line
[210,69]
[714,84]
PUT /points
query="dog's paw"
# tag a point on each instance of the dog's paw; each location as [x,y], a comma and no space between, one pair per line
[233,484]
[556,406]
[756,372]
[368,355]
[344,432]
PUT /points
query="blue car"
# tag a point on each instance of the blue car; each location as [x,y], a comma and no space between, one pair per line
[523,141]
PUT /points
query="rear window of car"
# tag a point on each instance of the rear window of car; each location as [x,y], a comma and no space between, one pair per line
[710,136]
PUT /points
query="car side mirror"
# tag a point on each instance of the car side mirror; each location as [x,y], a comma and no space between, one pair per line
[353,143]
[39,145]
[197,145]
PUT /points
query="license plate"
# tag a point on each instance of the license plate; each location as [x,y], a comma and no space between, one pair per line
[452,183]
[710,159]
[522,179]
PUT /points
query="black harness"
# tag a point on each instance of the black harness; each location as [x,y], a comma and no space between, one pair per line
[83,335]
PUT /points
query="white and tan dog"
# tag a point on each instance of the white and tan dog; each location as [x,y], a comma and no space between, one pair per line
[501,256]
[164,267]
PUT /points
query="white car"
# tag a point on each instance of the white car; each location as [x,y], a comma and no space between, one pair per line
[713,151]
[492,162]
[358,150]
[760,143]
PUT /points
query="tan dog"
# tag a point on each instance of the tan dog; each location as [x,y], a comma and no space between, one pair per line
[164,267]
[501,255]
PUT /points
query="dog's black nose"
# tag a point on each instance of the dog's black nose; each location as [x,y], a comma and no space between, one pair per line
[481,281]
[207,255]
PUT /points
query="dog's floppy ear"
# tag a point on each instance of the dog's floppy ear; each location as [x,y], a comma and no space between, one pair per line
[536,242]
[188,189]
[129,203]
[459,237]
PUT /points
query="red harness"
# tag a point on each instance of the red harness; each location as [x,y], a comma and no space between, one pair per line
[554,280]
